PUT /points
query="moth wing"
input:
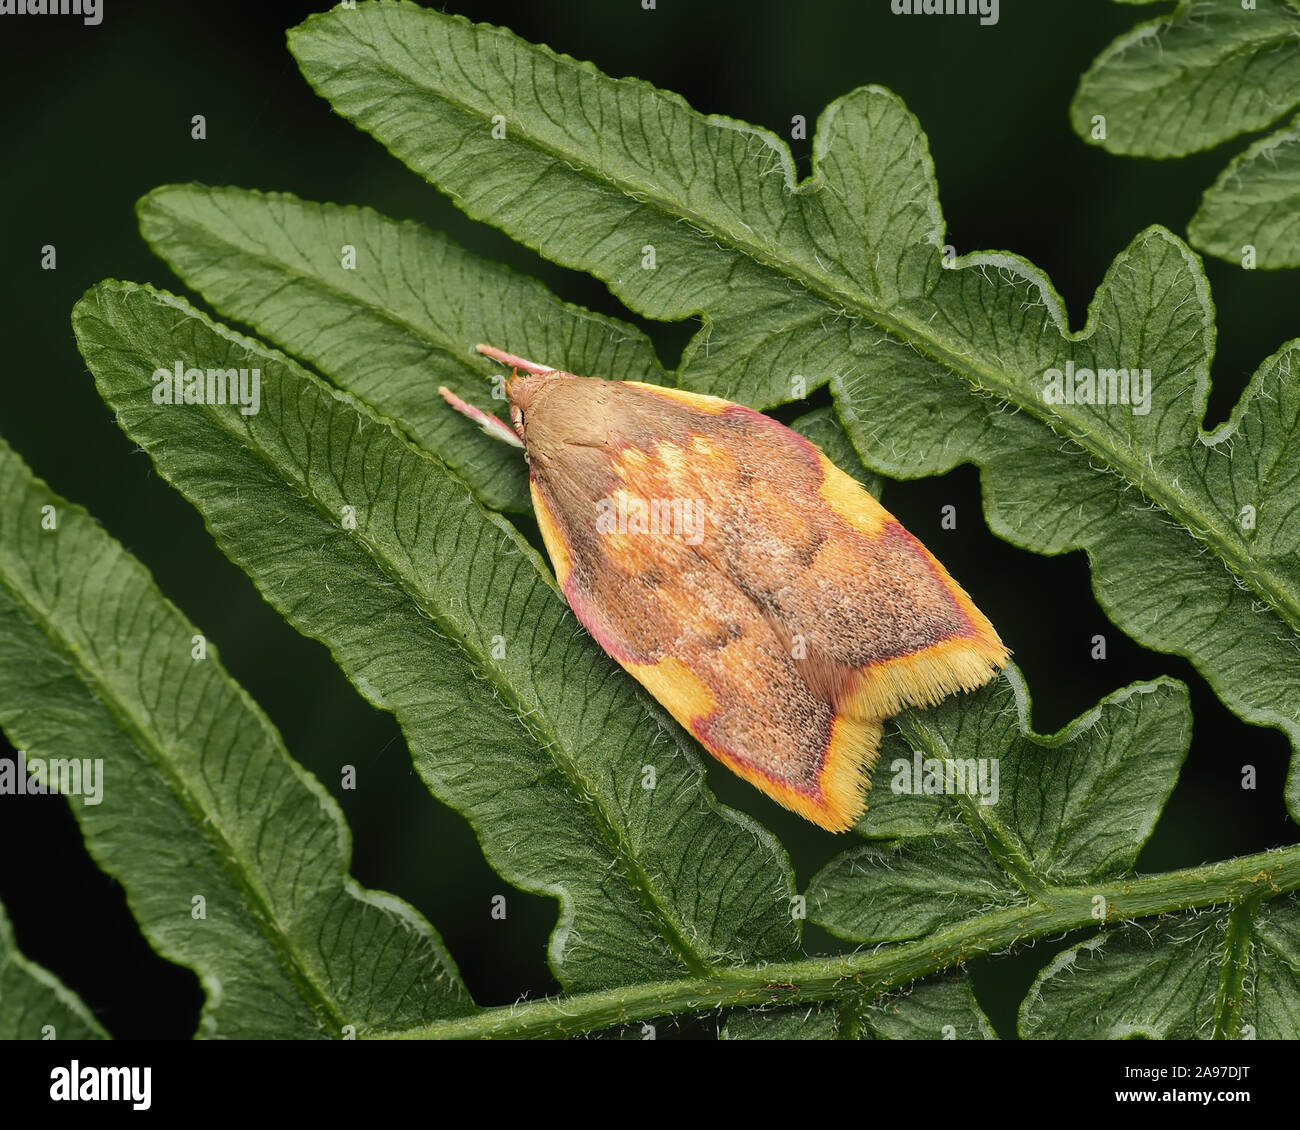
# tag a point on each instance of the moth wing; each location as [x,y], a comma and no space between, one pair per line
[697,644]
[784,621]
[874,621]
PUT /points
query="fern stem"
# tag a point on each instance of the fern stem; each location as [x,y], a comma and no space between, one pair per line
[883,969]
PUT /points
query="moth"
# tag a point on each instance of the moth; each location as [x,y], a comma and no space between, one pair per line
[770,603]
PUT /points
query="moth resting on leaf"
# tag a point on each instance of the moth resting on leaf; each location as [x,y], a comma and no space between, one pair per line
[773,607]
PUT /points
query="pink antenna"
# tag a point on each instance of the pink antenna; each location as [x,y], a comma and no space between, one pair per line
[521,363]
[489,423]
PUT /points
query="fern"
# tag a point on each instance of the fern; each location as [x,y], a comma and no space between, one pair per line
[841,278]
[1192,79]
[233,857]
[372,520]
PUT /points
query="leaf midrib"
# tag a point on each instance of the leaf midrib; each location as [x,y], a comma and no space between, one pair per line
[1195,523]
[1005,851]
[1232,968]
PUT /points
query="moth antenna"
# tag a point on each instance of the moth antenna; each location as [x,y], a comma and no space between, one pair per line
[489,423]
[521,363]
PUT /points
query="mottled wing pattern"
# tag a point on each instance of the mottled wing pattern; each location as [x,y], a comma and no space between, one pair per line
[765,598]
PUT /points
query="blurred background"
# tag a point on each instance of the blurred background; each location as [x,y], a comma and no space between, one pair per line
[94,117]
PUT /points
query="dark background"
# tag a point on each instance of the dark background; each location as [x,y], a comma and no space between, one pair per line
[93,117]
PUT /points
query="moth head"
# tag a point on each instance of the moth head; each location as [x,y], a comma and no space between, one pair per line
[553,411]
[522,392]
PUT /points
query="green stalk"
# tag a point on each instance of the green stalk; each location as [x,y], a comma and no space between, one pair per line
[1058,910]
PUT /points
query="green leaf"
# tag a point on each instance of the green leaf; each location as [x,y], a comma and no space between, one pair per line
[1255,203]
[442,614]
[881,969]
[36,1005]
[938,1008]
[1196,77]
[1020,814]
[812,1022]
[399,328]
[402,321]
[1193,78]
[1191,535]
[592,171]
[667,883]
[1192,538]
[1220,974]
[233,857]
